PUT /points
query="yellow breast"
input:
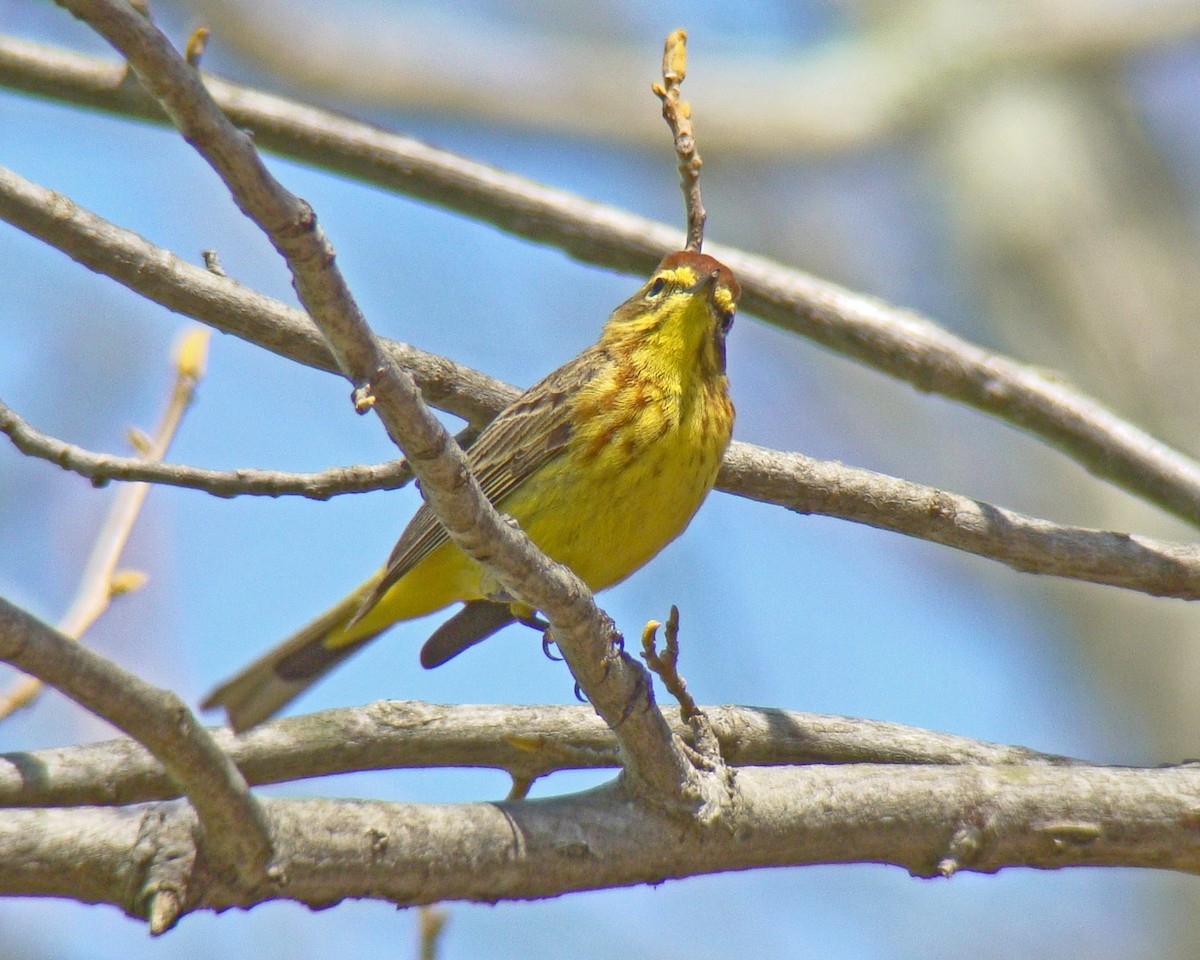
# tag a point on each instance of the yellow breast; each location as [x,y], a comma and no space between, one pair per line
[644,455]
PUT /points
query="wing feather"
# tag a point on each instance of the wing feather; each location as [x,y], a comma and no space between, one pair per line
[529,433]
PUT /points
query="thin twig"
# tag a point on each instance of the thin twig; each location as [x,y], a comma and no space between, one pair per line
[898,342]
[666,665]
[678,114]
[615,684]
[101,468]
[100,581]
[431,922]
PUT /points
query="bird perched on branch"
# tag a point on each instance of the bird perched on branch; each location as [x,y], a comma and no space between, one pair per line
[602,463]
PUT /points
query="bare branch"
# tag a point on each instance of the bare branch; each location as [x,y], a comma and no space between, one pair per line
[528,742]
[101,468]
[897,342]
[930,820]
[704,740]
[234,829]
[225,305]
[827,98]
[1031,545]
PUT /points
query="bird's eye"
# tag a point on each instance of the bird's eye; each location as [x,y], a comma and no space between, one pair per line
[727,321]
[656,288]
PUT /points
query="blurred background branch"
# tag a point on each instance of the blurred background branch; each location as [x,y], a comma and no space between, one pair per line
[889,73]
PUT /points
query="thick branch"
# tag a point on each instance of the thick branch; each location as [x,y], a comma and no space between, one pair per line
[615,684]
[224,304]
[830,98]
[930,820]
[234,828]
[527,742]
[1028,544]
[897,342]
[884,79]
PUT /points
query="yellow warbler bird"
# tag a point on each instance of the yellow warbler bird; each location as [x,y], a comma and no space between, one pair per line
[602,463]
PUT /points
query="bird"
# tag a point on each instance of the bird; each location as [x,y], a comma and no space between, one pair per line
[602,463]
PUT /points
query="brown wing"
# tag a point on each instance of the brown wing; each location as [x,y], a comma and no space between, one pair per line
[527,434]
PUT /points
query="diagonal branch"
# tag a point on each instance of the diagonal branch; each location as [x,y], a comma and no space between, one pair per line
[224,304]
[900,343]
[614,683]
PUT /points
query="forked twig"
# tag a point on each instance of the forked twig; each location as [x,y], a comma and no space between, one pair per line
[665,665]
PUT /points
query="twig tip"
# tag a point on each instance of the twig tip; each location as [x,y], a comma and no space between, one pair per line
[191,354]
[164,911]
[127,581]
[195,47]
[675,56]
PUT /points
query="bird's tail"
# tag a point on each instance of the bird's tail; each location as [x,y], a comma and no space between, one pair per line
[284,672]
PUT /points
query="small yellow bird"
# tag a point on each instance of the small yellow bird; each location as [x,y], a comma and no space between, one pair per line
[602,463]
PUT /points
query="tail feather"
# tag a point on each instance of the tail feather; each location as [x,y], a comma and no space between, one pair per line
[273,680]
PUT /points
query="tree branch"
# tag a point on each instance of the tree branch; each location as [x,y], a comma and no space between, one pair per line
[678,114]
[846,94]
[100,468]
[1029,544]
[931,820]
[898,342]
[528,742]
[234,829]
[224,304]
[802,484]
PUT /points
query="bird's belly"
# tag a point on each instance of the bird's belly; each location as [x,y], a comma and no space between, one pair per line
[605,513]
